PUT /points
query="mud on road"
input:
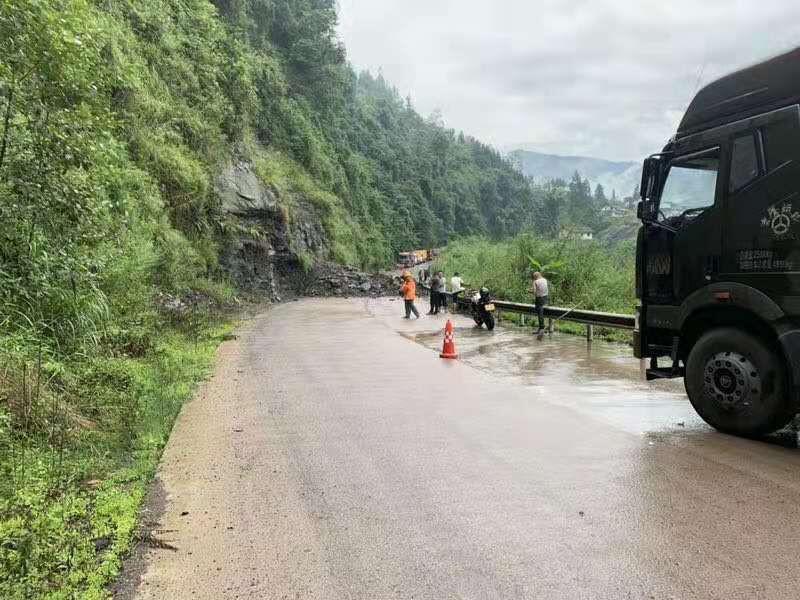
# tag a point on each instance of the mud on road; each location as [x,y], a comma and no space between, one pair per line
[334,455]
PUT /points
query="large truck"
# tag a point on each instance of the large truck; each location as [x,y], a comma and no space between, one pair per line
[718,251]
[414,257]
[406,259]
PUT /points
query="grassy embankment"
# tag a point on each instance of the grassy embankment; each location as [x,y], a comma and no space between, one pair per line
[79,443]
[106,206]
[583,274]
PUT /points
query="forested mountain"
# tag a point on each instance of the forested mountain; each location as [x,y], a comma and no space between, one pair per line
[555,166]
[151,151]
[574,206]
[615,176]
[152,154]
[119,116]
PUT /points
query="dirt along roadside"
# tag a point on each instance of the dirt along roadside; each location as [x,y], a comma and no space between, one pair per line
[220,481]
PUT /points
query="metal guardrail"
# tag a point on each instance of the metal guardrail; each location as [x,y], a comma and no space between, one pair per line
[590,318]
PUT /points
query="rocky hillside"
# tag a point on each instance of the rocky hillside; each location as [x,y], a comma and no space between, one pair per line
[157,158]
[163,144]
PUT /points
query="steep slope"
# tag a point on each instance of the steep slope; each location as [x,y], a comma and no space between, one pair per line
[152,152]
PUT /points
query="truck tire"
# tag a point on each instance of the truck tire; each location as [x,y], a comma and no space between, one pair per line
[737,383]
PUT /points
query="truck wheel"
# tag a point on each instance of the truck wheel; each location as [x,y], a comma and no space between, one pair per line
[737,384]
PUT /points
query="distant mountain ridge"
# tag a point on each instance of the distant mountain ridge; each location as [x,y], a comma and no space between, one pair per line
[621,176]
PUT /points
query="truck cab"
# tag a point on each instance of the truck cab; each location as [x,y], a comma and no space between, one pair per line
[718,252]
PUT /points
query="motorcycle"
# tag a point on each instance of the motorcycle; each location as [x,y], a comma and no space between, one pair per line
[482,308]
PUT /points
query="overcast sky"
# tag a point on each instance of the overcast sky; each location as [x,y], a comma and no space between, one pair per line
[604,78]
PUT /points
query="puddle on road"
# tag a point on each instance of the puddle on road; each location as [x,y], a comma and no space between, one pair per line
[600,378]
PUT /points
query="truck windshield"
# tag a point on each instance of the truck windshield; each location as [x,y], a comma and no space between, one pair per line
[690,184]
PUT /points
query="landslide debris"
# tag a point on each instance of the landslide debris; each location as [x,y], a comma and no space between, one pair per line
[331,279]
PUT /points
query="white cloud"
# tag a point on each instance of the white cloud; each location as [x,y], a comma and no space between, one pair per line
[607,78]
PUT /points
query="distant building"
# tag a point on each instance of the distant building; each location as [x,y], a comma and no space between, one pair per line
[615,211]
[576,233]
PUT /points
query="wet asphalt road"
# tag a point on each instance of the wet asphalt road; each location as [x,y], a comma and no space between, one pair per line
[334,455]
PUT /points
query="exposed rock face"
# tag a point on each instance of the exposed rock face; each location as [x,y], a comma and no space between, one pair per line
[243,194]
[264,244]
[263,253]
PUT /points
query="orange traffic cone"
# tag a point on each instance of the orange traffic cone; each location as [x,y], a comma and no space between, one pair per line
[449,348]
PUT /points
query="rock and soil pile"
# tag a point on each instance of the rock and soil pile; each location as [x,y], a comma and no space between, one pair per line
[331,279]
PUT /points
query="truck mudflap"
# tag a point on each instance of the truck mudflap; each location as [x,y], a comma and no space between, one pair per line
[790,344]
[675,370]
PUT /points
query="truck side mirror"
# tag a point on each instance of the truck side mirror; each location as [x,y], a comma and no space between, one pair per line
[649,172]
[647,189]
[646,167]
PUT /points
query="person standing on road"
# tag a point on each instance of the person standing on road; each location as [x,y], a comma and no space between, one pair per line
[456,286]
[434,294]
[456,283]
[409,291]
[442,291]
[541,296]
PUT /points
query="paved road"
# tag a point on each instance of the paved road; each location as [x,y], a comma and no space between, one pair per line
[334,455]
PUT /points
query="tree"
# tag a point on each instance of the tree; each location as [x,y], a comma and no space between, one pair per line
[600,196]
[548,209]
[631,200]
[580,201]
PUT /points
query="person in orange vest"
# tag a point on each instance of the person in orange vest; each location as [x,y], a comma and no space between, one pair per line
[409,292]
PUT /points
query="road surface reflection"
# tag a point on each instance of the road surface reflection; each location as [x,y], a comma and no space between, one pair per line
[600,378]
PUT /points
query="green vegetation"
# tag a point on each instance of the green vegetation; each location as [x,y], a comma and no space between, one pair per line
[77,455]
[582,274]
[105,202]
[382,177]
[562,208]
[116,118]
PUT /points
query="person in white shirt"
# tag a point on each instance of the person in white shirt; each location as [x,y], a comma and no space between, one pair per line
[456,283]
[541,296]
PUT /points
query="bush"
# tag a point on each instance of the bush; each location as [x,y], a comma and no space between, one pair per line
[585,274]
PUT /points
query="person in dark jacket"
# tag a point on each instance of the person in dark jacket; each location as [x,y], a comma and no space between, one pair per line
[435,286]
[442,291]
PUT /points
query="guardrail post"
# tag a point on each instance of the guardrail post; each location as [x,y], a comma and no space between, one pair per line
[589,332]
[522,320]
[550,326]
